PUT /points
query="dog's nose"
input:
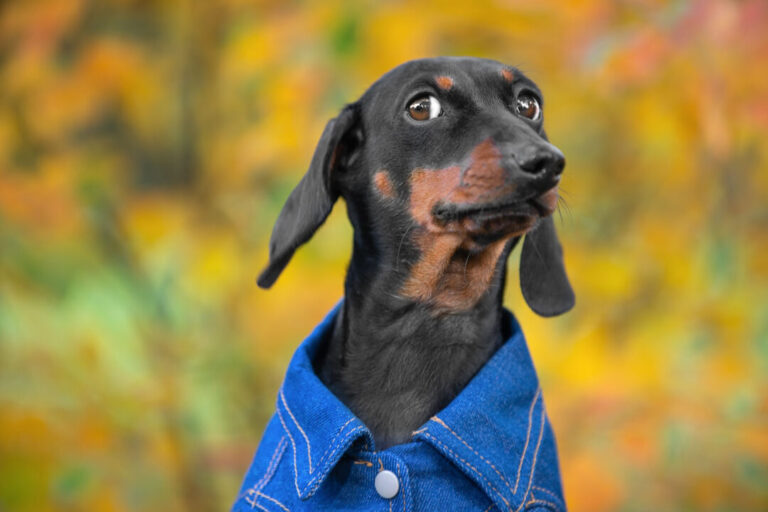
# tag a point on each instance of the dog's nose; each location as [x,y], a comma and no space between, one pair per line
[542,162]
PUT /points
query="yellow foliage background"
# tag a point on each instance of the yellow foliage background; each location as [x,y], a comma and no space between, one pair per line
[147,146]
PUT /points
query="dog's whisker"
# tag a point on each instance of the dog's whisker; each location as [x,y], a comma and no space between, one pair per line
[562,202]
[400,246]
[466,262]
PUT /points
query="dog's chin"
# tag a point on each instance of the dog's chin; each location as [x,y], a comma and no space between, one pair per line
[489,222]
[483,230]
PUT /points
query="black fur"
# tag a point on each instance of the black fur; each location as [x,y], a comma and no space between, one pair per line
[392,359]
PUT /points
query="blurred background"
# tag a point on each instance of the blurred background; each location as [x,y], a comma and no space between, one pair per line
[146,148]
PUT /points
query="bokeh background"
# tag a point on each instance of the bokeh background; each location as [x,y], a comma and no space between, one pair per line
[146,148]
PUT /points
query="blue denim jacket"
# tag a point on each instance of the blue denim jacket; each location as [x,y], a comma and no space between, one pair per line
[491,448]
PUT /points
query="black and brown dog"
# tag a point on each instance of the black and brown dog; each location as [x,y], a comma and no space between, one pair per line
[444,166]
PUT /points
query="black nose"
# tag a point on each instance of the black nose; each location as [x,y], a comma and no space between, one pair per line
[544,162]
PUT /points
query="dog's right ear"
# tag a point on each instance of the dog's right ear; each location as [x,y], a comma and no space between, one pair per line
[312,200]
[543,280]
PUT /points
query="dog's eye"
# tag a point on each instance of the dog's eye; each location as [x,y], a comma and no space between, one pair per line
[528,106]
[424,108]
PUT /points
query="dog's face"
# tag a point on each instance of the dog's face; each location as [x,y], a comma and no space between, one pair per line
[449,156]
[464,147]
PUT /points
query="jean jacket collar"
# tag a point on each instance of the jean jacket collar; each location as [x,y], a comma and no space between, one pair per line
[492,430]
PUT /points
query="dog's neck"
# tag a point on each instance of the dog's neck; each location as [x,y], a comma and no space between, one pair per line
[396,361]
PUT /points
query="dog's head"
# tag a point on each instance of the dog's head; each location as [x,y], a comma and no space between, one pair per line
[450,155]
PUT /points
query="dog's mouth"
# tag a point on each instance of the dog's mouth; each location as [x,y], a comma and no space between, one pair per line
[499,217]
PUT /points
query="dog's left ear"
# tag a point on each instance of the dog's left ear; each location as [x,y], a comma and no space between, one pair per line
[312,200]
[543,279]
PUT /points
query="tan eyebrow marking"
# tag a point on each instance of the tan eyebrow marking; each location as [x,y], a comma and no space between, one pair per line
[444,82]
[508,75]
[384,184]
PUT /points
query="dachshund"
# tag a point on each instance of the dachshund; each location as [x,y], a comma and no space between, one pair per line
[444,166]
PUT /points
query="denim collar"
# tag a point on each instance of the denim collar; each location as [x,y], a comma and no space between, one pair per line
[492,430]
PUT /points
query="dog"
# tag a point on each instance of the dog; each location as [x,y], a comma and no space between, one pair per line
[417,390]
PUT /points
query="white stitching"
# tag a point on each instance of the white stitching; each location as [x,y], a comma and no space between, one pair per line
[527,439]
[270,498]
[317,476]
[455,456]
[546,491]
[273,463]
[255,488]
[330,447]
[309,446]
[293,445]
[328,450]
[535,455]
[442,423]
[544,502]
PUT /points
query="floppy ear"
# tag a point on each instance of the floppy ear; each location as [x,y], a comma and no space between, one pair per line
[311,201]
[543,280]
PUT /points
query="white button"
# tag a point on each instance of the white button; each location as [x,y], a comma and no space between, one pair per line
[387,484]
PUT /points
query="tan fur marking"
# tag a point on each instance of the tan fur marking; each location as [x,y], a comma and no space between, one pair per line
[453,272]
[444,82]
[436,252]
[467,278]
[483,181]
[508,75]
[384,184]
[428,186]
